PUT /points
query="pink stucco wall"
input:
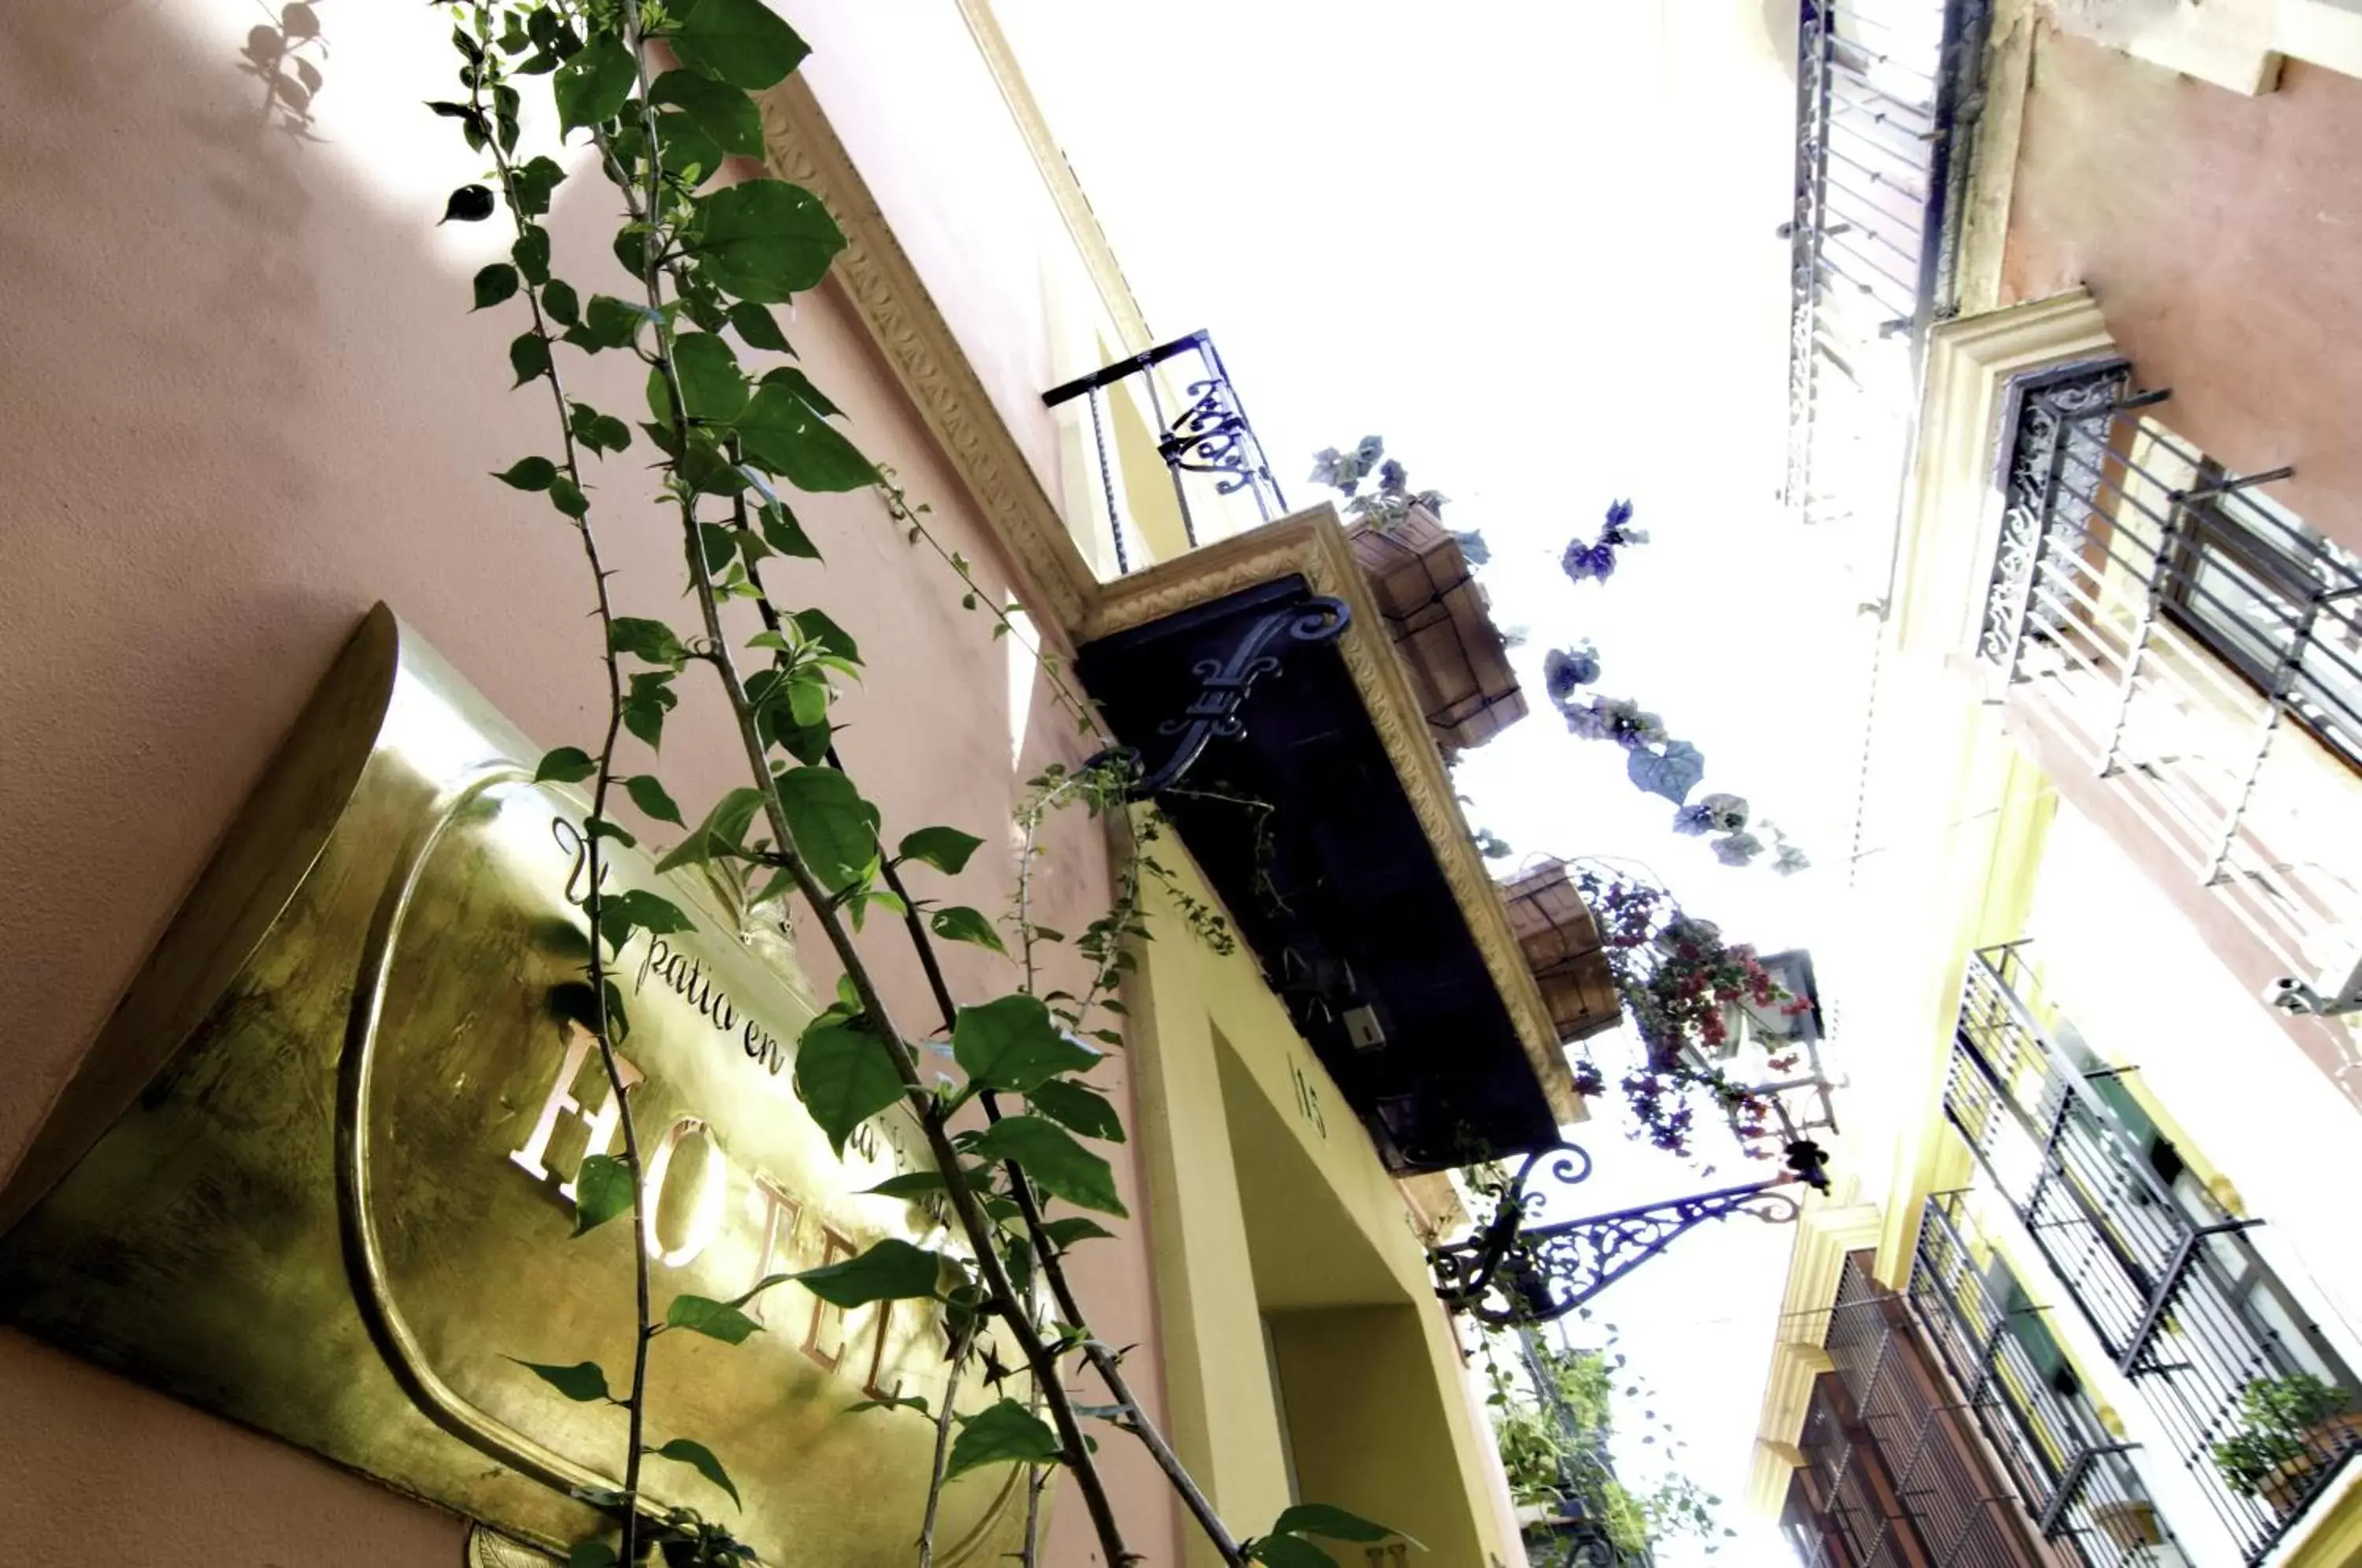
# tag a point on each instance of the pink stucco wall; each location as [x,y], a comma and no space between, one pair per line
[244,400]
[2218,234]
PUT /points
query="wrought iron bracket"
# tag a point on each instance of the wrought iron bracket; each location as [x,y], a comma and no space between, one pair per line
[1512,1273]
[1224,684]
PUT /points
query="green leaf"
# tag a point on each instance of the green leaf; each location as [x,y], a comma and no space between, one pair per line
[622,913]
[564,764]
[1076,1227]
[714,1320]
[835,828]
[795,382]
[944,848]
[1078,1107]
[558,299]
[719,541]
[723,832]
[1320,1518]
[529,356]
[1048,1154]
[529,473]
[468,204]
[700,1458]
[785,435]
[957,922]
[603,1189]
[600,827]
[757,328]
[583,1383]
[609,323]
[1013,1043]
[724,113]
[742,42]
[712,384]
[531,253]
[495,283]
[591,88]
[650,698]
[765,239]
[533,182]
[909,1183]
[1005,1433]
[1288,1551]
[647,792]
[893,1270]
[590,1554]
[843,1075]
[784,534]
[641,638]
[567,497]
[830,637]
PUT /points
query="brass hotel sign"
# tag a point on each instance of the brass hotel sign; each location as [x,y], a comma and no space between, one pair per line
[317,1173]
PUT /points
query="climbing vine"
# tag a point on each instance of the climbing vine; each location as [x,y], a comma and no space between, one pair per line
[660,91]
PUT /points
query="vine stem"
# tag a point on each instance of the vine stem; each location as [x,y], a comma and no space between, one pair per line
[942,1449]
[976,1225]
[594,866]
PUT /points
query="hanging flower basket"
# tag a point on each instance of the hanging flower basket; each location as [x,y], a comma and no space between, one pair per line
[1563,947]
[1442,627]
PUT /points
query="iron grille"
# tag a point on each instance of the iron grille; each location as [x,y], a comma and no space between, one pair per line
[1887,95]
[2168,1280]
[2074,1479]
[2190,641]
[1209,451]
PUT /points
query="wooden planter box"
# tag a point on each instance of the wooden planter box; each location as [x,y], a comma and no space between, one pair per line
[1442,627]
[1563,948]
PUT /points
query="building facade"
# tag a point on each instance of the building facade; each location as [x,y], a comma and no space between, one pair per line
[249,404]
[2085,1293]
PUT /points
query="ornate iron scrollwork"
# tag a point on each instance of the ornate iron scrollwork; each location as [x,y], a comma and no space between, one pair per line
[1211,436]
[1224,683]
[1513,1273]
[2059,436]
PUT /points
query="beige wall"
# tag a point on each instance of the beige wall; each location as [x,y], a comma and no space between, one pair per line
[244,400]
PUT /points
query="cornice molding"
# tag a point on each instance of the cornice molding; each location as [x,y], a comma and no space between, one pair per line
[911,335]
[1058,175]
[1311,544]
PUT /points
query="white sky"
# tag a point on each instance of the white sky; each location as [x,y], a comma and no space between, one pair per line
[1533,245]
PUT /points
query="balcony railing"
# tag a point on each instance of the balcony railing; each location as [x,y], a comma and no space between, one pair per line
[1886,115]
[1173,405]
[2193,644]
[1893,1459]
[2168,1281]
[2072,1477]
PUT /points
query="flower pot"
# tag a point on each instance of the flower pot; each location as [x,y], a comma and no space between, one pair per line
[1442,627]
[1563,948]
[2327,1444]
[2131,1525]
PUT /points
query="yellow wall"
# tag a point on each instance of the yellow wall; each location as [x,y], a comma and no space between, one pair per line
[1268,1204]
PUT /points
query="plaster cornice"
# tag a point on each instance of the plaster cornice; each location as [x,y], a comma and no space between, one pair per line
[911,335]
[1311,544]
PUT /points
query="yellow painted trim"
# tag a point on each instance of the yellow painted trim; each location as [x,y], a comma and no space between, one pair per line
[1826,1234]
[1058,175]
[2009,61]
[2333,1536]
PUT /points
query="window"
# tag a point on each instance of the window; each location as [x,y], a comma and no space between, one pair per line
[2276,602]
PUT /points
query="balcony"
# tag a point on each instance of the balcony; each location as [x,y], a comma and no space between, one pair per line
[1885,116]
[2166,1278]
[2073,1478]
[2194,646]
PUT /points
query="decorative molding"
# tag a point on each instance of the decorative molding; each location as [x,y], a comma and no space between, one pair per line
[1951,511]
[1311,545]
[1058,176]
[910,332]
[1993,167]
[1825,1236]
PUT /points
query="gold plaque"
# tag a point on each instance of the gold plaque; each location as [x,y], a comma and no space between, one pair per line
[317,1173]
